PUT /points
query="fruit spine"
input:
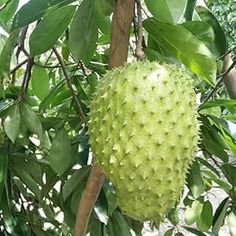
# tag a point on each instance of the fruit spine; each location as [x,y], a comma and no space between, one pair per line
[143,132]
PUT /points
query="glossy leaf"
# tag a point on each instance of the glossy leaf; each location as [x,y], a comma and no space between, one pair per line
[103,9]
[7,13]
[184,46]
[219,215]
[9,221]
[195,182]
[110,197]
[189,9]
[118,226]
[83,32]
[223,184]
[168,232]
[208,165]
[193,212]
[218,102]
[230,173]
[220,46]
[47,32]
[3,169]
[72,183]
[194,231]
[34,10]
[6,53]
[201,30]
[60,152]
[52,93]
[167,10]
[12,122]
[204,221]
[31,120]
[40,82]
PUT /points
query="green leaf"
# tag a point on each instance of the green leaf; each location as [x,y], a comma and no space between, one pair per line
[52,93]
[189,9]
[6,53]
[204,221]
[194,231]
[110,197]
[60,152]
[195,182]
[173,216]
[103,9]
[7,13]
[220,45]
[31,120]
[193,212]
[168,232]
[219,216]
[83,32]
[8,220]
[230,173]
[218,103]
[72,183]
[95,227]
[12,122]
[232,223]
[118,226]
[201,30]
[223,184]
[184,46]
[34,10]
[167,10]
[40,82]
[3,170]
[208,165]
[47,32]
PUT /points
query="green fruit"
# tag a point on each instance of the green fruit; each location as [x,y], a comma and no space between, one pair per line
[143,131]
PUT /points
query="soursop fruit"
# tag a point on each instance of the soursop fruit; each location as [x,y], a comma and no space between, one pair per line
[143,132]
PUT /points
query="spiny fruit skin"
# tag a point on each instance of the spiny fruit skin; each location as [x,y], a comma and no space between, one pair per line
[143,131]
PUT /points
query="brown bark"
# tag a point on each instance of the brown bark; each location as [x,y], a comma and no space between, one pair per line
[88,199]
[230,78]
[122,18]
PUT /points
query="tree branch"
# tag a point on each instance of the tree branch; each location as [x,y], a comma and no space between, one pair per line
[26,78]
[139,33]
[122,18]
[79,109]
[88,199]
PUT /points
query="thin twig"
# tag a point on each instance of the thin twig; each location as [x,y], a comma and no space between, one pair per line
[82,68]
[220,80]
[79,109]
[19,65]
[21,43]
[26,78]
[228,52]
[139,28]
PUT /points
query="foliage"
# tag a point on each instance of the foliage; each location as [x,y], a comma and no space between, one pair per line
[52,53]
[225,13]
